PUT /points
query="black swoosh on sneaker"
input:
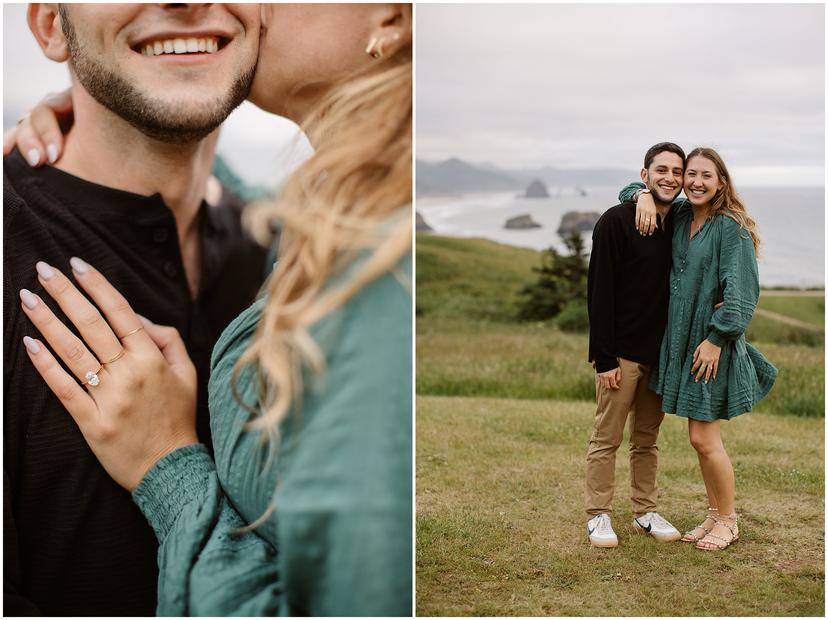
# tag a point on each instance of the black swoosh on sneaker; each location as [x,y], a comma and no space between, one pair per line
[590,530]
[646,529]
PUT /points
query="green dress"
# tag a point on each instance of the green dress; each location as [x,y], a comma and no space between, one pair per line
[717,264]
[336,490]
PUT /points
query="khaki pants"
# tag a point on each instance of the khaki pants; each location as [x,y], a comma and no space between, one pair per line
[633,397]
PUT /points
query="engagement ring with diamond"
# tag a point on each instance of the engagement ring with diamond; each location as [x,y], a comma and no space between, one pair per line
[92,378]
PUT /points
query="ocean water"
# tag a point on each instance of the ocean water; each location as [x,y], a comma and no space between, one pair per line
[791,223]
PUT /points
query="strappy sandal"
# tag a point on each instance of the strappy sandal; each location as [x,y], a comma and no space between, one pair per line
[692,537]
[714,542]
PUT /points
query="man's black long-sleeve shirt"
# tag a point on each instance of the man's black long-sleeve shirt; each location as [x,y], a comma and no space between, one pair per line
[74,542]
[628,289]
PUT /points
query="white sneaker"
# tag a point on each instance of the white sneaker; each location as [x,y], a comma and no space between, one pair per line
[656,526]
[600,531]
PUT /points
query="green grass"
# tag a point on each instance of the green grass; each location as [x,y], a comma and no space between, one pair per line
[807,309]
[504,412]
[765,330]
[500,524]
[471,278]
[479,280]
[537,361]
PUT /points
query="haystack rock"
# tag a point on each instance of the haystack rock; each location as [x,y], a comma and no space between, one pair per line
[521,222]
[422,225]
[537,189]
[576,221]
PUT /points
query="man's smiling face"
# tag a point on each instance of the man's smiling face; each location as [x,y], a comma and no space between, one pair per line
[174,71]
[664,176]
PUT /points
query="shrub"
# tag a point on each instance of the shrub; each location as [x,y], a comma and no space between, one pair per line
[574,317]
[561,280]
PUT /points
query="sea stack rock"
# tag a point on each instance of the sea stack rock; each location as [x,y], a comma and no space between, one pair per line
[422,225]
[537,189]
[576,221]
[521,222]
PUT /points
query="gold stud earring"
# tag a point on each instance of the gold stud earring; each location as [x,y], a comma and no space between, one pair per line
[374,49]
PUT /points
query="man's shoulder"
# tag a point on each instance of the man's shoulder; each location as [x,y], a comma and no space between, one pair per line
[619,214]
[13,201]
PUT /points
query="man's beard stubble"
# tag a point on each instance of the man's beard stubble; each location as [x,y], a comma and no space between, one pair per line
[154,118]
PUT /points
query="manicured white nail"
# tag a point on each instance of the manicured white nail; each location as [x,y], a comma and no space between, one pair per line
[52,153]
[31,345]
[29,300]
[78,266]
[33,156]
[45,271]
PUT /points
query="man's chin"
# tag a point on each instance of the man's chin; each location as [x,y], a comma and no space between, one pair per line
[663,197]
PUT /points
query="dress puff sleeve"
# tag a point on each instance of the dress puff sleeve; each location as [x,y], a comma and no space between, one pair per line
[206,566]
[739,282]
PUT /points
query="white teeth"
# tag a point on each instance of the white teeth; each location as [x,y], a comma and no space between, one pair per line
[180,46]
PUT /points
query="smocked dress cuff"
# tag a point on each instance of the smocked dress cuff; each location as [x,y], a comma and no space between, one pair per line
[173,482]
[716,338]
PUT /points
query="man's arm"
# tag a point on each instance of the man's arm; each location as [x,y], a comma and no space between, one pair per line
[604,267]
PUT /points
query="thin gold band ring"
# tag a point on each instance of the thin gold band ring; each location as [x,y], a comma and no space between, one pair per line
[134,331]
[116,358]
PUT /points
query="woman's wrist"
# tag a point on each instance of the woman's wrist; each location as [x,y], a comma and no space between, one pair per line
[715,339]
[171,484]
[638,194]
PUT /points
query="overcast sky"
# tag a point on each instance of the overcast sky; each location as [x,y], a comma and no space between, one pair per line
[594,85]
[260,147]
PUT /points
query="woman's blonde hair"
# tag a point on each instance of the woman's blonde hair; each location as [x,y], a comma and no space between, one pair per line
[351,198]
[726,200]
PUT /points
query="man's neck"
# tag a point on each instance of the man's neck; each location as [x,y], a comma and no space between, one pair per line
[104,149]
[662,208]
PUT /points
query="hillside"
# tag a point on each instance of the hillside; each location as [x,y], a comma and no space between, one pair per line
[470,278]
[478,279]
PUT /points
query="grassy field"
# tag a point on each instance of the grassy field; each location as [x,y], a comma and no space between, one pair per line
[470,278]
[531,361]
[500,529]
[808,309]
[504,412]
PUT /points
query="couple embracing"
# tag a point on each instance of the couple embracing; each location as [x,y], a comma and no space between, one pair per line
[673,284]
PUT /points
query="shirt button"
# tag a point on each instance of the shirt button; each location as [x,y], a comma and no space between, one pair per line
[170,269]
[160,235]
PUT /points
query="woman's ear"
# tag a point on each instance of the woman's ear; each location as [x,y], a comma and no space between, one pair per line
[392,30]
[44,22]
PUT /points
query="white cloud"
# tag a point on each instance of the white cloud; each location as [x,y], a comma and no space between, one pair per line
[594,85]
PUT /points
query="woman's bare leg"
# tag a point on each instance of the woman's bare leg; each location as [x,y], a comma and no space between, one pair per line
[716,467]
[717,471]
[698,532]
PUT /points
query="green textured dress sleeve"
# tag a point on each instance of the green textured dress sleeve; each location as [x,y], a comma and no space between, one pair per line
[627,193]
[739,281]
[344,503]
[206,567]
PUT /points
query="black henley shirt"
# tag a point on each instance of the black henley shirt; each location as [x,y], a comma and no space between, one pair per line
[628,289]
[74,542]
